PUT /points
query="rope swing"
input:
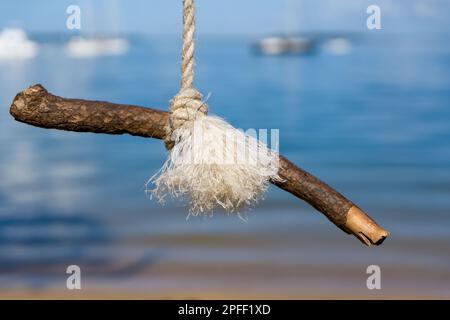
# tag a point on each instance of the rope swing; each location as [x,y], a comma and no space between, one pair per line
[210,163]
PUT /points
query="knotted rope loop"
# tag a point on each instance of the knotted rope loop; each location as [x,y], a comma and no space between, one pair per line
[187,105]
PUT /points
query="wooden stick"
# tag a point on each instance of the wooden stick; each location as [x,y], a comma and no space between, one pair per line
[37,107]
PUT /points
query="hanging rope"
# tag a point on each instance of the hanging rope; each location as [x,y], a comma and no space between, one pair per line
[210,162]
[187,56]
[187,104]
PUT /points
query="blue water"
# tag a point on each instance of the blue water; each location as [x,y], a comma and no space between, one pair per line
[374,124]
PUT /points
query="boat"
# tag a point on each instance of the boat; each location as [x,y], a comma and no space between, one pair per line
[15,45]
[84,47]
[289,41]
[284,45]
[89,43]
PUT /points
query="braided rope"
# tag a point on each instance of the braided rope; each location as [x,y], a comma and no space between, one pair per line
[187,105]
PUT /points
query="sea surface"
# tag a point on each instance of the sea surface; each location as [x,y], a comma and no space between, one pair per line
[374,123]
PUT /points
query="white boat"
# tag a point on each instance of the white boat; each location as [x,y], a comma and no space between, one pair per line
[283,45]
[288,41]
[15,45]
[83,47]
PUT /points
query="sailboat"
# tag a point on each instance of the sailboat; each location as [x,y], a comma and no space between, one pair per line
[86,47]
[15,45]
[91,45]
[284,45]
[288,43]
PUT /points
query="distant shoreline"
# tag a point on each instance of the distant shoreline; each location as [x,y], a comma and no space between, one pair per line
[50,294]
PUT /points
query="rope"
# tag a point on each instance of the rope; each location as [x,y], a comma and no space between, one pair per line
[187,67]
[187,105]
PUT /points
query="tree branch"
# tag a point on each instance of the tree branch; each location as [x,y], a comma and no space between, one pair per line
[37,107]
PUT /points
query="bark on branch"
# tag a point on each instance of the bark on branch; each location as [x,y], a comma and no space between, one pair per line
[37,107]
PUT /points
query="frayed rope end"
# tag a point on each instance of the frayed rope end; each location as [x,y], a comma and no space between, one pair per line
[213,165]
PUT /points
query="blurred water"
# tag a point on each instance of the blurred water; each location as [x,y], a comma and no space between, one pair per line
[374,123]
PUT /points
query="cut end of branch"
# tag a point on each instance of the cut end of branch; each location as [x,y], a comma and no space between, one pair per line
[21,100]
[364,228]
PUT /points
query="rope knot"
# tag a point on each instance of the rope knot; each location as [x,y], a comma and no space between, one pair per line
[186,106]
